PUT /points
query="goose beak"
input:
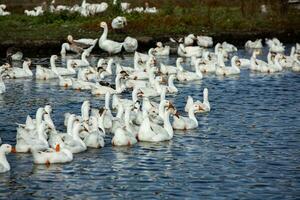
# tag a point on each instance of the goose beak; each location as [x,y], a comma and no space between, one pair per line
[177,114]
[13,150]
[57,148]
[140,94]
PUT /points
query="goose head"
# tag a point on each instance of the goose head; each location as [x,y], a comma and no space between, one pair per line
[70,39]
[7,148]
[103,25]
[48,109]
[159,44]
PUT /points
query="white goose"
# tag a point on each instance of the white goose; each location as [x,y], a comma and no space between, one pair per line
[155,133]
[77,63]
[43,73]
[23,72]
[189,51]
[61,71]
[95,137]
[204,41]
[226,71]
[119,22]
[109,46]
[257,44]
[171,88]
[205,105]
[130,44]
[74,143]
[52,156]
[168,69]
[183,75]
[161,50]
[186,123]
[4,164]
[102,90]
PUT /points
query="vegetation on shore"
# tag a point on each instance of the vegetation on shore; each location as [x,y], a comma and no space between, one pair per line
[174,19]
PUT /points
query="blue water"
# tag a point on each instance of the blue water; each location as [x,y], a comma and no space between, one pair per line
[247,147]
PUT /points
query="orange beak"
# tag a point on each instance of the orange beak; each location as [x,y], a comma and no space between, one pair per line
[57,148]
[13,150]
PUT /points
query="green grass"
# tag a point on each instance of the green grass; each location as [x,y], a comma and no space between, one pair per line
[170,21]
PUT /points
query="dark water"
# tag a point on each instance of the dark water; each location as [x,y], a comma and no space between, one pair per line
[247,147]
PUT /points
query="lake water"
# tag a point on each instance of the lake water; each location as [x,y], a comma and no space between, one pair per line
[247,147]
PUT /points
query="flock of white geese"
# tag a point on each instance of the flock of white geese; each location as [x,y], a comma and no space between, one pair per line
[140,118]
[85,9]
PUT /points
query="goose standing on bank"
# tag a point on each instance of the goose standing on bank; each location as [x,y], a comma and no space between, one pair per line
[119,22]
[109,46]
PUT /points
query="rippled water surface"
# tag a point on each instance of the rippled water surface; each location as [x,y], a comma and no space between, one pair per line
[247,147]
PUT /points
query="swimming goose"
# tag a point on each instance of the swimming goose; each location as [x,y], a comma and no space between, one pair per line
[67,47]
[125,136]
[186,123]
[43,73]
[183,75]
[2,86]
[74,143]
[234,69]
[61,71]
[189,51]
[155,133]
[188,40]
[205,105]
[109,46]
[95,137]
[161,50]
[4,164]
[52,156]
[257,44]
[64,82]
[23,72]
[171,88]
[101,90]
[168,69]
[229,47]
[77,63]
[130,44]
[204,41]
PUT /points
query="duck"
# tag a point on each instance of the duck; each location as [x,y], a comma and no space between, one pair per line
[189,51]
[204,41]
[119,22]
[61,71]
[257,44]
[43,73]
[2,86]
[4,164]
[109,46]
[161,50]
[130,44]
[52,156]
[205,105]
[186,123]
[183,75]
[154,133]
[23,72]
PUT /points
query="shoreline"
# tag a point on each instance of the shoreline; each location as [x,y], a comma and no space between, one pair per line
[39,48]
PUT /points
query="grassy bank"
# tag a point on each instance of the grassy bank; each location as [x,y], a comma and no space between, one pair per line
[173,19]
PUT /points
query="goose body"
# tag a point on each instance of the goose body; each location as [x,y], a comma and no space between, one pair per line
[109,46]
[61,71]
[43,73]
[23,72]
[130,44]
[186,123]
